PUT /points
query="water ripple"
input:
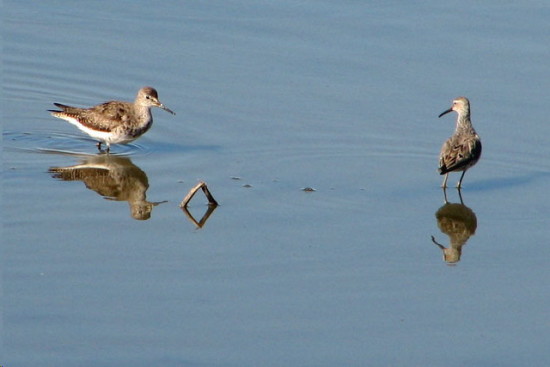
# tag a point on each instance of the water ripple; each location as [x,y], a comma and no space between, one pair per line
[54,142]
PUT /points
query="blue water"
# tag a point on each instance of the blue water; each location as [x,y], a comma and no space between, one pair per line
[101,267]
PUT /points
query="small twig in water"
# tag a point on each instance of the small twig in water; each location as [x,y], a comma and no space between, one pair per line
[201,185]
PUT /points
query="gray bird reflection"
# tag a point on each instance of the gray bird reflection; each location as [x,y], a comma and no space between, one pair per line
[459,223]
[113,177]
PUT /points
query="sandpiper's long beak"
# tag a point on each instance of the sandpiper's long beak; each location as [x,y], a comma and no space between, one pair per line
[160,105]
[446,112]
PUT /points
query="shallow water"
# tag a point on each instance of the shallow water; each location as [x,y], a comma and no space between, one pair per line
[102,267]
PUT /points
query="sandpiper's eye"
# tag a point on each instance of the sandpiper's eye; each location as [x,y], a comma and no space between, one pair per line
[148,97]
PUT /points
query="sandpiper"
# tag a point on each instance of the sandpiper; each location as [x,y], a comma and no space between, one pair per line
[114,122]
[462,150]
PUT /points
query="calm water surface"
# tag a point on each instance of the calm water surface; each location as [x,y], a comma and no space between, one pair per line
[102,268]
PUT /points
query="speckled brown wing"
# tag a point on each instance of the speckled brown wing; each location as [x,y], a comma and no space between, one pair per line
[103,117]
[459,153]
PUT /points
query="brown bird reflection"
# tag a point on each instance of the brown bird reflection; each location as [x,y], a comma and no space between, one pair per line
[114,178]
[459,223]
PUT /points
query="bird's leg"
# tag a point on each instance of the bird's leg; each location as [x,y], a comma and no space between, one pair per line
[444,184]
[459,184]
[445,195]
[98,145]
[460,196]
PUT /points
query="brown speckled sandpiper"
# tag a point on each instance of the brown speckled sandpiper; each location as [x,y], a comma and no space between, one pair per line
[462,150]
[114,122]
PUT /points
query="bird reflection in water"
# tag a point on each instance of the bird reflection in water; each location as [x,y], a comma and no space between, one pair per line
[114,178]
[459,223]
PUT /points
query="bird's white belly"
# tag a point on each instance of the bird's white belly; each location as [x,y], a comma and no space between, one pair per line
[116,136]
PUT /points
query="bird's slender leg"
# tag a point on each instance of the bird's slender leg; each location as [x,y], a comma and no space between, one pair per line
[98,145]
[444,184]
[459,184]
[460,196]
[445,195]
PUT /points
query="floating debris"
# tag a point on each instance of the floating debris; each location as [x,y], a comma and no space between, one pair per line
[201,185]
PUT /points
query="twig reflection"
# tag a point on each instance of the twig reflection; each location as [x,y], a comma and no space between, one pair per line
[199,223]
